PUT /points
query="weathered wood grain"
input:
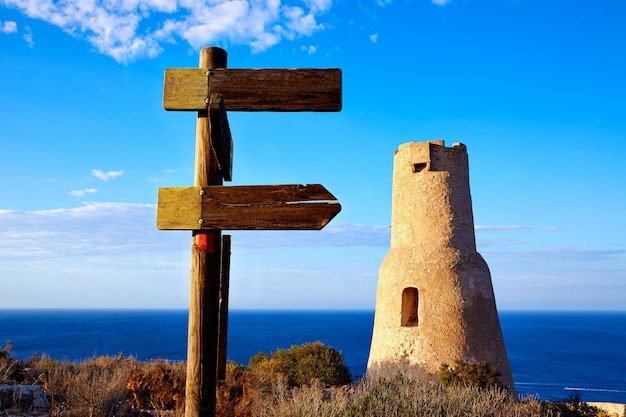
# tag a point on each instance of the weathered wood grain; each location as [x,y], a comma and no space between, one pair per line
[267,194]
[221,138]
[200,398]
[185,89]
[289,90]
[178,203]
[224,291]
[261,207]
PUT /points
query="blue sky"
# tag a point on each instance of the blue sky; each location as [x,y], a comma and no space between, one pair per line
[535,89]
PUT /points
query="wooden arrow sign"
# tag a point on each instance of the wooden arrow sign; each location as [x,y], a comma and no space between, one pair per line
[253,89]
[261,207]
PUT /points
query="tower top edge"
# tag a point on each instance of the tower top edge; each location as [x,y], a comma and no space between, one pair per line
[428,155]
[424,149]
[438,142]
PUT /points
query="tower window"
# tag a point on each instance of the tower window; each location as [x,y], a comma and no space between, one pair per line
[419,166]
[409,307]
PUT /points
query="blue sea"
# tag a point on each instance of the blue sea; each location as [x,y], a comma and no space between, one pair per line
[553,355]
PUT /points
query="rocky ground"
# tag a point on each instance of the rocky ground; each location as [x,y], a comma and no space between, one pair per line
[21,413]
[23,401]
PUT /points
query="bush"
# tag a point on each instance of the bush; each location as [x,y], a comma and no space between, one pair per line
[475,374]
[38,368]
[235,395]
[157,386]
[93,388]
[10,369]
[572,407]
[303,365]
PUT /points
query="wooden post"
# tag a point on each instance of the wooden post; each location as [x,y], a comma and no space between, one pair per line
[203,330]
[211,90]
[224,288]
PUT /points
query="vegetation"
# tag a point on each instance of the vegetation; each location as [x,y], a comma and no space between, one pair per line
[308,380]
[476,374]
[10,369]
[572,407]
[303,364]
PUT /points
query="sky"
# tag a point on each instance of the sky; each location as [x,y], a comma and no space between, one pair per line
[535,90]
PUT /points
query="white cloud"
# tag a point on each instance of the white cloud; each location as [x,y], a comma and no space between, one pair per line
[128,30]
[441,2]
[334,235]
[80,193]
[319,5]
[516,229]
[28,36]
[556,256]
[106,176]
[311,49]
[8,27]
[94,229]
[374,37]
[105,229]
[299,22]
[114,244]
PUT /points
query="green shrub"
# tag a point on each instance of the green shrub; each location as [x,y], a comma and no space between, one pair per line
[257,360]
[303,365]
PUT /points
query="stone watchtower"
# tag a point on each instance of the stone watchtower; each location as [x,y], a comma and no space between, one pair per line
[435,302]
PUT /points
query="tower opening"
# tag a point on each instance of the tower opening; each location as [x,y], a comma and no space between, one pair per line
[409,307]
[419,166]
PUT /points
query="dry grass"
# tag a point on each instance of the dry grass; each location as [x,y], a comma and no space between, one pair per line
[158,385]
[124,387]
[93,388]
[394,398]
[10,368]
[111,386]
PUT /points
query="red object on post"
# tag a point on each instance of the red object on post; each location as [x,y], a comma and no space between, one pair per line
[206,242]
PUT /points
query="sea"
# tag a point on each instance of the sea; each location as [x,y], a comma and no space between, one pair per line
[553,355]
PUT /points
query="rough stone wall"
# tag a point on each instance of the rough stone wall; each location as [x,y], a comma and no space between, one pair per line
[23,397]
[433,253]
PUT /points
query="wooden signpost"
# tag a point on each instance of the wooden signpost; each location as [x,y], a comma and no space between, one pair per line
[254,89]
[208,207]
[260,207]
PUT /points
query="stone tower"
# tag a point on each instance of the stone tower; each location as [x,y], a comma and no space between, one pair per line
[435,302]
